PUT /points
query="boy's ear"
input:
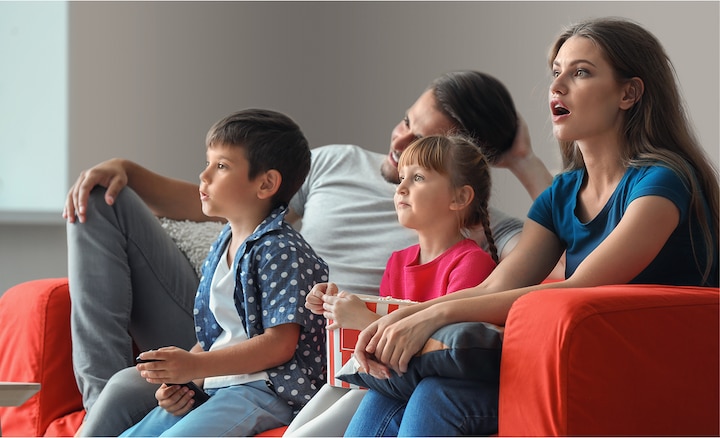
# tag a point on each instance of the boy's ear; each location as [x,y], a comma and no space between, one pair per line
[634,90]
[463,197]
[269,184]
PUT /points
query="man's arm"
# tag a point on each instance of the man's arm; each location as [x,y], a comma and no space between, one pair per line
[166,197]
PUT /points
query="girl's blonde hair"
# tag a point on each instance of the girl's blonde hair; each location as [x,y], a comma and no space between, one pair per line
[465,165]
[656,129]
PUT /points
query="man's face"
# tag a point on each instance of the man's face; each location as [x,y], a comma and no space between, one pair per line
[421,120]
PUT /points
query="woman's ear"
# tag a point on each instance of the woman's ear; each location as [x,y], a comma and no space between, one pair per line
[269,184]
[634,90]
[463,197]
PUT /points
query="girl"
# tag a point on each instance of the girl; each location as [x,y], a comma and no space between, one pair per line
[443,191]
[638,203]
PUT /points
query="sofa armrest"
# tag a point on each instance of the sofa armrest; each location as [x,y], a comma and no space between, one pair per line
[612,360]
[36,347]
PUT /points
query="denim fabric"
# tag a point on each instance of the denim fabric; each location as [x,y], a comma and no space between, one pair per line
[238,410]
[438,407]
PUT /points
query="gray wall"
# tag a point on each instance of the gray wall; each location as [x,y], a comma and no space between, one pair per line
[147,79]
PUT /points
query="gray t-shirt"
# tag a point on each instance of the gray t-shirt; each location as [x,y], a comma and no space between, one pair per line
[348,217]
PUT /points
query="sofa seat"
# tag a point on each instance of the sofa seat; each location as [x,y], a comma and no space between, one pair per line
[612,360]
[36,347]
[609,360]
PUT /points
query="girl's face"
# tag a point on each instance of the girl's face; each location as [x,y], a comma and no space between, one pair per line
[422,197]
[586,100]
[225,190]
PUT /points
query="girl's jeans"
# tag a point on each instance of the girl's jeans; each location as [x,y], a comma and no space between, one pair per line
[437,407]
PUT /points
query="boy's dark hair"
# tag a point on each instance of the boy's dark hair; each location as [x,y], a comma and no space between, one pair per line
[271,140]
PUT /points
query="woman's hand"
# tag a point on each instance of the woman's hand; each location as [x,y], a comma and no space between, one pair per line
[175,399]
[170,365]
[392,340]
[110,174]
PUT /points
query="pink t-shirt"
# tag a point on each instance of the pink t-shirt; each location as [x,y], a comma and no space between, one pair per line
[462,266]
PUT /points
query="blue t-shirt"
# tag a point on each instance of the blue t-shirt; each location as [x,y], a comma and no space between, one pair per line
[674,265]
[276,269]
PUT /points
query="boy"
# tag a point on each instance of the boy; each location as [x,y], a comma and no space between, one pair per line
[260,355]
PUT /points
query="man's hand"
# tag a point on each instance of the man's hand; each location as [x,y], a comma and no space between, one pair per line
[110,174]
[524,164]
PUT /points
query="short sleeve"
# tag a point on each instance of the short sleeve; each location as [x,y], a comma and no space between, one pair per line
[287,276]
[541,209]
[664,182]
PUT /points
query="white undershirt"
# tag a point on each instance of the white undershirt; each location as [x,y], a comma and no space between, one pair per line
[222,305]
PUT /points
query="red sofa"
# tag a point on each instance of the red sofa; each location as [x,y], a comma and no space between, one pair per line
[611,360]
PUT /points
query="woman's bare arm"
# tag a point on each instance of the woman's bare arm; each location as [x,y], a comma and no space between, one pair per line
[630,248]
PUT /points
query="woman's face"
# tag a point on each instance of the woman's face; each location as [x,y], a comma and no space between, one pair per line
[586,99]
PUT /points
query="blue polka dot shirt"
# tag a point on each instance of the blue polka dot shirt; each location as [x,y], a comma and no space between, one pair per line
[275,270]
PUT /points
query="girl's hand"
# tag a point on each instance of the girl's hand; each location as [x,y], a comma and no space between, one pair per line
[314,300]
[347,311]
[171,365]
[175,399]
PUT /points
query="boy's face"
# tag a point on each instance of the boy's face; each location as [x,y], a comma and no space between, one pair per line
[225,190]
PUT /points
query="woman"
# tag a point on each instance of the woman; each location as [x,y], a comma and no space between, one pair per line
[638,203]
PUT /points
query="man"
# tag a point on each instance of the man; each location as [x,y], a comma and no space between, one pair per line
[123,265]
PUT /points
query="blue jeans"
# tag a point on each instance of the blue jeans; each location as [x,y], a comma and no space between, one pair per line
[438,407]
[239,410]
[127,278]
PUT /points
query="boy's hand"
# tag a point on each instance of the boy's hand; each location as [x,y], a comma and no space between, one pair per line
[314,300]
[347,311]
[171,365]
[175,399]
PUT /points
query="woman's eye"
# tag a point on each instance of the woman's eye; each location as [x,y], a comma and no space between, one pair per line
[406,121]
[555,73]
[581,73]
